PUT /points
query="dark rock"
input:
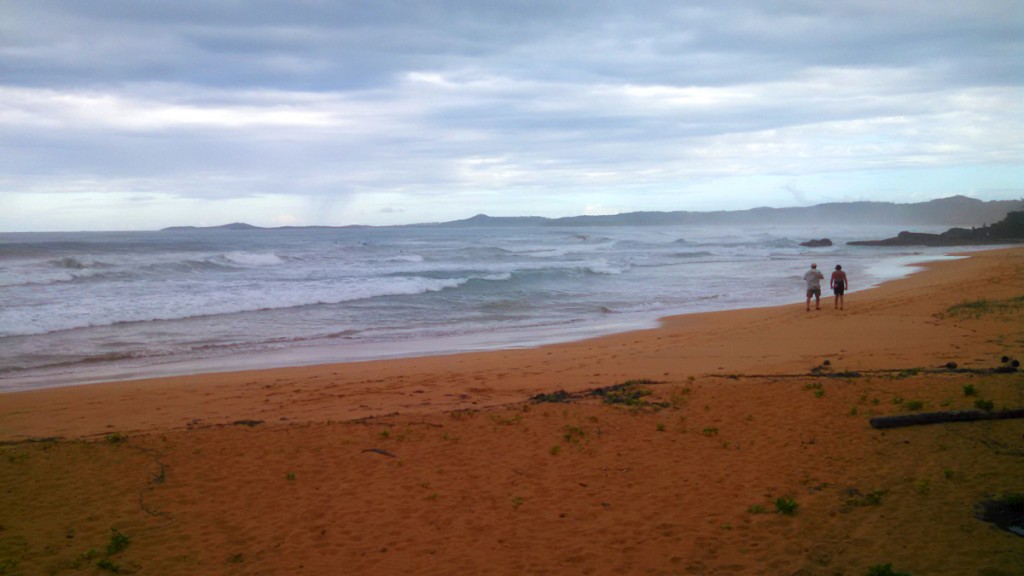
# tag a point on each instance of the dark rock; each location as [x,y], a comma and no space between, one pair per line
[817,243]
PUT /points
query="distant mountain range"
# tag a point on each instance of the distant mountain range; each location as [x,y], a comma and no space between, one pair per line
[952,211]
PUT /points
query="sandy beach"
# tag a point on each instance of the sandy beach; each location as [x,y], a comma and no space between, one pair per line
[724,443]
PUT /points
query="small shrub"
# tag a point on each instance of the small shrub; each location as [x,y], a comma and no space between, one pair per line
[573,434]
[786,506]
[969,390]
[710,431]
[556,449]
[118,542]
[986,405]
[109,565]
[913,405]
[757,509]
[517,501]
[885,570]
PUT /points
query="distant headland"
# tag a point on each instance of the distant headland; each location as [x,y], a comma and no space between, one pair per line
[955,211]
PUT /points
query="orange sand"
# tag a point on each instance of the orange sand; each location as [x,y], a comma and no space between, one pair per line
[272,472]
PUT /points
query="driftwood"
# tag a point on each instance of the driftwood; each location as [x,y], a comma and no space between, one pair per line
[943,417]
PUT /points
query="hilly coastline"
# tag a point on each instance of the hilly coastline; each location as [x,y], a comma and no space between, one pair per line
[952,211]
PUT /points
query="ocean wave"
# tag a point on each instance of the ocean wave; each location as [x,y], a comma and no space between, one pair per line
[190,303]
[699,254]
[604,267]
[249,259]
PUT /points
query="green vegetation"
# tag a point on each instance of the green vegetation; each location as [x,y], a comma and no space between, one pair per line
[118,542]
[116,438]
[786,506]
[885,570]
[629,393]
[979,308]
[913,405]
[986,405]
[558,396]
[969,390]
[573,434]
[517,501]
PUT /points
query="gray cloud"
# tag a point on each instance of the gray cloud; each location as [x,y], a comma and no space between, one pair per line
[384,102]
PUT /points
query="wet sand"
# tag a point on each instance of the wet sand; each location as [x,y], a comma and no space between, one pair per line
[445,464]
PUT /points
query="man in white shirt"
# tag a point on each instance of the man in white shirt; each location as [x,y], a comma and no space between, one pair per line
[813,277]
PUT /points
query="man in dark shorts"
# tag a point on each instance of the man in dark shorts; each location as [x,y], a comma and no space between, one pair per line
[813,278]
[839,285]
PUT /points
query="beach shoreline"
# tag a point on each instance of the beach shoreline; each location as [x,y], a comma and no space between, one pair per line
[101,372]
[479,462]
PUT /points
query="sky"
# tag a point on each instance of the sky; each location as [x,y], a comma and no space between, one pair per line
[128,115]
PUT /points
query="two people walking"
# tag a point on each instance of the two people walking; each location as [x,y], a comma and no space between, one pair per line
[838,283]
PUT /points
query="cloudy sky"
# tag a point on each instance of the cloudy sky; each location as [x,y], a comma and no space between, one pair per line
[138,115]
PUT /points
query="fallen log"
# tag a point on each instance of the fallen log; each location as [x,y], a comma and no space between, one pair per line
[902,420]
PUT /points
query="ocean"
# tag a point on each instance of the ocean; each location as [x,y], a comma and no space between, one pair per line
[90,306]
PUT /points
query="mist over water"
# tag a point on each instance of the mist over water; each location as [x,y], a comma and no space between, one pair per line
[79,307]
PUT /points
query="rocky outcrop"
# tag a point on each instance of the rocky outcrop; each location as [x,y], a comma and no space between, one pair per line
[1010,230]
[817,243]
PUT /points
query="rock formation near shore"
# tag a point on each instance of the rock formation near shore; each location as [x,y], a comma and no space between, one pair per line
[817,243]
[1009,230]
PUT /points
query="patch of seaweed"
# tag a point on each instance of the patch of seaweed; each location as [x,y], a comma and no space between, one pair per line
[557,396]
[629,393]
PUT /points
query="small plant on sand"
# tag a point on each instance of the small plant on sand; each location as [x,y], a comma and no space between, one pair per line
[913,405]
[970,390]
[556,449]
[660,426]
[118,542]
[710,432]
[757,509]
[986,405]
[290,476]
[109,565]
[116,438]
[786,506]
[978,308]
[517,501]
[885,570]
[573,434]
